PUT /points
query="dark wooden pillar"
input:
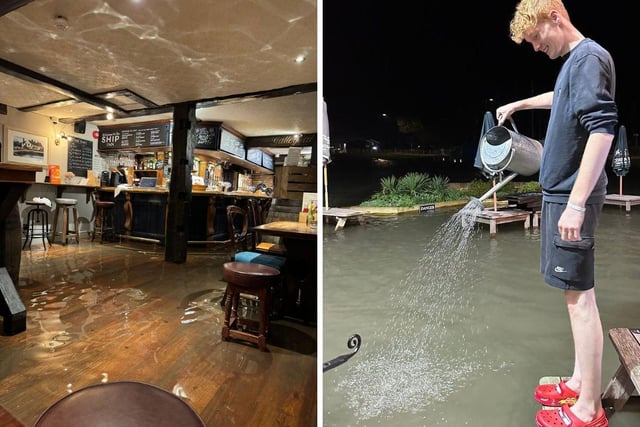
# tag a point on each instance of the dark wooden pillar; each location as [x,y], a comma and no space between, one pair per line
[179,208]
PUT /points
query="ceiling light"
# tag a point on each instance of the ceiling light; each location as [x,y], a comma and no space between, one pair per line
[300,58]
[109,116]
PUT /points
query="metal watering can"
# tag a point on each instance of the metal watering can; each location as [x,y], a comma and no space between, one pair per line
[503,149]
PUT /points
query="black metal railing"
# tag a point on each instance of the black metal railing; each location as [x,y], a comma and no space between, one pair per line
[354,344]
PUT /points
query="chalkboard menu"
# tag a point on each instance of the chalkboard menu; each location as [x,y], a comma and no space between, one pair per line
[267,161]
[132,136]
[207,137]
[232,144]
[80,156]
[254,155]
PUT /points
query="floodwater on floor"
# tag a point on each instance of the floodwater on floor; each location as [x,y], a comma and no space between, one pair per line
[457,329]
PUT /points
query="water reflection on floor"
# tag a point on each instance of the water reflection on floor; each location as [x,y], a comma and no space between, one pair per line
[457,331]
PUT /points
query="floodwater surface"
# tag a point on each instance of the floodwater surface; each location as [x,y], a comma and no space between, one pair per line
[457,327]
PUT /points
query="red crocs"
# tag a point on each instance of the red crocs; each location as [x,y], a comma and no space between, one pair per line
[563,417]
[555,394]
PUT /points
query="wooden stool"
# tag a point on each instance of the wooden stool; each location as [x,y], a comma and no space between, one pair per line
[65,205]
[122,403]
[103,223]
[253,279]
[37,224]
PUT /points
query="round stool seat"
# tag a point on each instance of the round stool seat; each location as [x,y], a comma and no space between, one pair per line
[122,404]
[249,275]
[63,201]
[32,203]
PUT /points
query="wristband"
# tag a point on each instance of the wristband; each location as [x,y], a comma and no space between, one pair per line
[576,207]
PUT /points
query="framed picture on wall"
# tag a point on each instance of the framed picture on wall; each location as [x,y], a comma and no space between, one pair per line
[24,147]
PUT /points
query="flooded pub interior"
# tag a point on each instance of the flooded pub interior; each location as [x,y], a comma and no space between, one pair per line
[158,239]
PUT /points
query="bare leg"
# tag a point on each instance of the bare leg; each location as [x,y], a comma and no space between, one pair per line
[588,341]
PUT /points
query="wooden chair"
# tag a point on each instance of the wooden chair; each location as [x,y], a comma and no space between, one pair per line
[257,216]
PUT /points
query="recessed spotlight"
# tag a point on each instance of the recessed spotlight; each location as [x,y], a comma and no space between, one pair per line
[300,58]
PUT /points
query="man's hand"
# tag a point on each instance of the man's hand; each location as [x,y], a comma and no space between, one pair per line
[570,224]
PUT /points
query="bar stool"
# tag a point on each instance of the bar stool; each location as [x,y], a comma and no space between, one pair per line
[252,279]
[37,224]
[103,223]
[65,205]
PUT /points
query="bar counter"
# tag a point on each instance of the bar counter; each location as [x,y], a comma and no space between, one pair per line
[140,213]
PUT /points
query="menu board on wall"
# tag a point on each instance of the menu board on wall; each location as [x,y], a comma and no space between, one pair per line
[207,137]
[254,155]
[80,156]
[232,144]
[132,136]
[267,161]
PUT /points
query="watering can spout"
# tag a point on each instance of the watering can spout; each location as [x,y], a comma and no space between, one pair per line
[497,187]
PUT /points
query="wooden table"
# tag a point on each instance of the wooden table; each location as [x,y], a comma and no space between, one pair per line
[342,215]
[301,282]
[626,381]
[622,200]
[494,218]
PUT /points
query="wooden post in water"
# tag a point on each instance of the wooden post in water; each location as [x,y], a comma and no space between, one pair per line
[495,197]
[621,185]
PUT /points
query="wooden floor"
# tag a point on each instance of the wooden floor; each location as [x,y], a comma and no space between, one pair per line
[112,312]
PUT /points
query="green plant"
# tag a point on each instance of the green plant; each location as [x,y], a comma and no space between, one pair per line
[418,188]
[413,183]
[389,184]
[530,187]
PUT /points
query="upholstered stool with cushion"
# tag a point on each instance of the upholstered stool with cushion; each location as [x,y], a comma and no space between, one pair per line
[122,404]
[252,279]
[37,224]
[103,223]
[274,261]
[65,205]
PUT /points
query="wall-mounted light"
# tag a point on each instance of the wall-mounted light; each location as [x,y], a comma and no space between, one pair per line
[60,137]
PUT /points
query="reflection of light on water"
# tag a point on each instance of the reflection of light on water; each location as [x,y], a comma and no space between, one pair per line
[418,357]
[204,307]
[51,304]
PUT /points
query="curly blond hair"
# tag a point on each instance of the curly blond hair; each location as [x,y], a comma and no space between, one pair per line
[529,12]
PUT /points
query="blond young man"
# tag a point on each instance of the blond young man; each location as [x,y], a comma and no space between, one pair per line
[581,129]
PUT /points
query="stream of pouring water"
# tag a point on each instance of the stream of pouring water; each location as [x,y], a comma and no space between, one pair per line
[414,359]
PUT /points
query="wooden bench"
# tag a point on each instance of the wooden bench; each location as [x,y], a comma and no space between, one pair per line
[627,378]
[342,215]
[494,218]
[622,200]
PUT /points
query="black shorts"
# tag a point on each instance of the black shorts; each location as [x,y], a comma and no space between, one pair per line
[566,264]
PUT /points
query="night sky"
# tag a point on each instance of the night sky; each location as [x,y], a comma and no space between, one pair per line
[441,63]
